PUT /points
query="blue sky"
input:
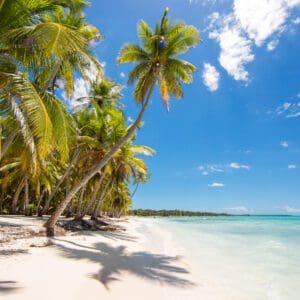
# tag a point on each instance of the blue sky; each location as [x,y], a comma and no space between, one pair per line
[233,142]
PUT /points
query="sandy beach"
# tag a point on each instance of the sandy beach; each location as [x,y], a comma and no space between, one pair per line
[151,258]
[141,263]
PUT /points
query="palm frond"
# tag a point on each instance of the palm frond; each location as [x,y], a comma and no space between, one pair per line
[131,53]
[63,125]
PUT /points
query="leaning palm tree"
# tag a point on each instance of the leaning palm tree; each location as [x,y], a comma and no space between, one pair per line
[155,63]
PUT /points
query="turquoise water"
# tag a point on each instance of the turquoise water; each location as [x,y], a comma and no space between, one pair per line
[244,257]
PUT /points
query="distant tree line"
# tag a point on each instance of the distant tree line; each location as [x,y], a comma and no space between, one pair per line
[172,213]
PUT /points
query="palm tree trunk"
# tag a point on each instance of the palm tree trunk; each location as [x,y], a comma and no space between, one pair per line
[102,197]
[61,180]
[79,205]
[1,201]
[7,143]
[136,187]
[26,196]
[95,192]
[52,76]
[16,196]
[39,212]
[61,207]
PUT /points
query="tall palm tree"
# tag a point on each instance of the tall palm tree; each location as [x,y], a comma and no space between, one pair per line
[155,63]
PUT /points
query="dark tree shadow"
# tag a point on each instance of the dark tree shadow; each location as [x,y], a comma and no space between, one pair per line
[13,251]
[6,224]
[114,260]
[8,286]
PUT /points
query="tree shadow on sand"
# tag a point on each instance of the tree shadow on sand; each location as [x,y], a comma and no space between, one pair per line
[10,252]
[8,286]
[115,260]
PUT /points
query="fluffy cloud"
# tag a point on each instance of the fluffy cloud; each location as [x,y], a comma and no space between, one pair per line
[235,48]
[221,168]
[122,75]
[260,19]
[291,210]
[292,167]
[216,185]
[210,77]
[239,209]
[284,144]
[249,24]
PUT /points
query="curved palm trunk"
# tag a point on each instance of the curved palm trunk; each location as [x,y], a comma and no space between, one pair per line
[51,78]
[100,201]
[16,196]
[7,143]
[61,180]
[79,205]
[1,201]
[39,213]
[136,187]
[26,197]
[93,199]
[61,207]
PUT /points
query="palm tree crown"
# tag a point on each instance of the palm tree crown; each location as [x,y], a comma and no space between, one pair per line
[155,59]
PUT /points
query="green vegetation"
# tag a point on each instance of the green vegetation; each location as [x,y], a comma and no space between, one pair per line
[172,213]
[57,160]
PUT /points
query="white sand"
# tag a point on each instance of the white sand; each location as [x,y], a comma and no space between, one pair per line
[140,263]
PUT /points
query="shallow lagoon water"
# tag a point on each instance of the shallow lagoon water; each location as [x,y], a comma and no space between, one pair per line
[241,257]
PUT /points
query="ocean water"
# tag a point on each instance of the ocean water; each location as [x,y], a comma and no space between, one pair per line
[241,257]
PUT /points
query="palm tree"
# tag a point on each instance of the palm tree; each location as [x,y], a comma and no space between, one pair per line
[155,63]
[40,42]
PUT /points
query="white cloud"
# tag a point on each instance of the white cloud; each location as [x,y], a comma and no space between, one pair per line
[239,166]
[210,77]
[221,168]
[260,19]
[272,45]
[249,24]
[82,86]
[235,49]
[292,3]
[284,144]
[122,75]
[291,210]
[287,110]
[239,209]
[92,73]
[216,185]
[130,119]
[292,167]
[296,21]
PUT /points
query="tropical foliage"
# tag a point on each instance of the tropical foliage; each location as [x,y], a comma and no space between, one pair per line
[56,159]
